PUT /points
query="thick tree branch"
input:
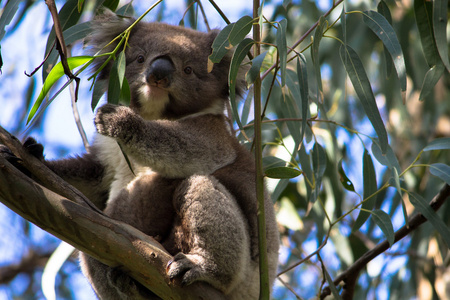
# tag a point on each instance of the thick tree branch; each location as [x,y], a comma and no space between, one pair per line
[350,275]
[113,243]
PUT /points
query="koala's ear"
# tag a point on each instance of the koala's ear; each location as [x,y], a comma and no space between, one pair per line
[105,27]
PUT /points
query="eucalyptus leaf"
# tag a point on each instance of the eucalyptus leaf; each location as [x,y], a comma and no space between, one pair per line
[361,84]
[302,74]
[381,27]
[315,54]
[56,73]
[384,222]
[438,144]
[282,49]
[440,11]
[442,171]
[370,187]
[345,181]
[255,69]
[425,209]
[282,173]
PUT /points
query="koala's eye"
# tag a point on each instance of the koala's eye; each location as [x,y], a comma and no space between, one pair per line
[188,70]
[140,59]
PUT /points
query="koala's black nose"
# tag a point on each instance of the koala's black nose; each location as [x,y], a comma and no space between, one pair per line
[160,72]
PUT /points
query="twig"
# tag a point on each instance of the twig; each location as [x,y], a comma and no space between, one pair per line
[350,275]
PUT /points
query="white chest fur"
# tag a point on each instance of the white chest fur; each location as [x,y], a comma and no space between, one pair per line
[119,174]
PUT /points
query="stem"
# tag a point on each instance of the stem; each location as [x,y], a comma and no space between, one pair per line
[263,262]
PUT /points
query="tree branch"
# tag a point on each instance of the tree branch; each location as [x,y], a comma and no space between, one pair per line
[350,275]
[113,243]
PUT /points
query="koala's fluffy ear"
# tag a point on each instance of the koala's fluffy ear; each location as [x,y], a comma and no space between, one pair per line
[105,27]
[222,68]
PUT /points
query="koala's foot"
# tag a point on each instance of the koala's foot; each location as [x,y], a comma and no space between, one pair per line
[33,147]
[187,268]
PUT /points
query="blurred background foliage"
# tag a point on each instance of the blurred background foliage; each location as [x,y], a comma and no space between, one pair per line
[316,210]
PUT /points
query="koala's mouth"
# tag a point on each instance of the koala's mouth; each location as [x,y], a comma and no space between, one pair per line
[154,93]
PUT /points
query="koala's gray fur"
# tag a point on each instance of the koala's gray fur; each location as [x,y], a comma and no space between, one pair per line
[193,185]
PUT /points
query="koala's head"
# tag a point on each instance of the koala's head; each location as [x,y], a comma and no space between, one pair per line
[166,67]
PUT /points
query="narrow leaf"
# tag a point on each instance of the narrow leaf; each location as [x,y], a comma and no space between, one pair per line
[440,11]
[381,27]
[230,36]
[319,162]
[56,73]
[315,55]
[423,11]
[389,159]
[424,208]
[431,78]
[438,144]
[384,222]
[346,182]
[442,171]
[331,285]
[305,162]
[361,84]
[9,10]
[383,9]
[302,74]
[272,162]
[282,173]
[238,56]
[282,49]
[370,187]
[127,10]
[255,69]
[97,93]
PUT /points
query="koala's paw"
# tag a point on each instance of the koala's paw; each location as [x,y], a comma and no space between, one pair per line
[34,148]
[113,120]
[31,146]
[186,268]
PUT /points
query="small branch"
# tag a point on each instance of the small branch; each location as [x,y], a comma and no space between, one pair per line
[61,45]
[350,275]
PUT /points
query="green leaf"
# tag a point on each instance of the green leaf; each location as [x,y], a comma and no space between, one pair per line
[331,285]
[116,77]
[438,144]
[282,173]
[9,11]
[111,4]
[383,9]
[361,84]
[290,109]
[315,54]
[346,182]
[56,73]
[255,69]
[389,159]
[238,56]
[431,78]
[384,222]
[381,27]
[425,209]
[319,162]
[442,171]
[282,49]
[126,11]
[125,93]
[305,163]
[440,11]
[370,187]
[97,93]
[272,162]
[423,11]
[230,36]
[302,75]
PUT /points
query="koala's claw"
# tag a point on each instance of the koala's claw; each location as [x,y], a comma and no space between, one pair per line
[34,148]
[181,266]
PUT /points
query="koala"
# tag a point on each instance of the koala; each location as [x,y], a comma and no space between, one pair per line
[188,182]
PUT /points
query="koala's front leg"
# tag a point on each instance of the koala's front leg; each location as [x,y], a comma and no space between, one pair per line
[215,232]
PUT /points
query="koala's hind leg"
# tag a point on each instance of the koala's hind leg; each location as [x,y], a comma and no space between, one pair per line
[213,235]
